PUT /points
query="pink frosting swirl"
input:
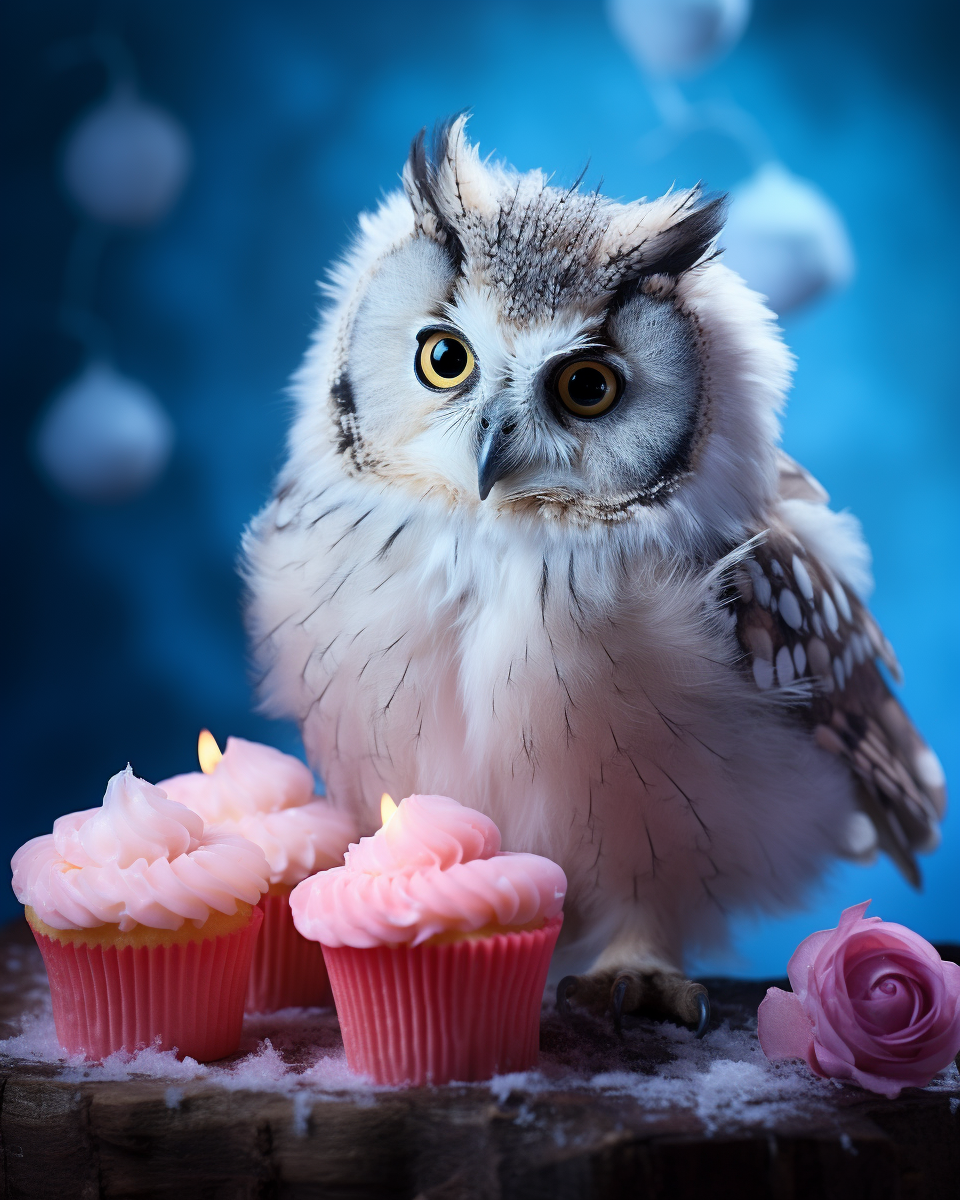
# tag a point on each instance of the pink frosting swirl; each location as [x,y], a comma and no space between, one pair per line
[267,796]
[435,867]
[249,778]
[140,859]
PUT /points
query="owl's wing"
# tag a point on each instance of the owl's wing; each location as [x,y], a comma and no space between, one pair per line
[801,628]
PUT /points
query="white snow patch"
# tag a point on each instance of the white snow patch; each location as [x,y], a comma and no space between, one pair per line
[262,1071]
[947,1081]
[302,1104]
[519,1081]
[724,1080]
[330,1073]
[36,1041]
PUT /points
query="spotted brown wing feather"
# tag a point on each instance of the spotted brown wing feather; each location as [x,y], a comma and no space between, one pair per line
[803,630]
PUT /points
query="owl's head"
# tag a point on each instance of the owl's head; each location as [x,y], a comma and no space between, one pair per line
[541,353]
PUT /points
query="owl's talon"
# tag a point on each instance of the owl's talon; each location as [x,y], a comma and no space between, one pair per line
[703,1004]
[565,988]
[619,991]
[650,992]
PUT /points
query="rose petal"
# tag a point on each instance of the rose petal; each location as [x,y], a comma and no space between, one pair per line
[802,960]
[950,973]
[873,950]
[883,1008]
[920,986]
[835,1026]
[783,1027]
[853,915]
[833,941]
[833,1066]
[885,996]
[915,1064]
[890,1088]
[915,945]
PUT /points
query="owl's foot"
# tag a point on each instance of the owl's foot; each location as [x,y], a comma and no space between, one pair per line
[662,995]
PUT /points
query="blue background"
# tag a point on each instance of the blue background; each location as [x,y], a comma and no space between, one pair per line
[123,633]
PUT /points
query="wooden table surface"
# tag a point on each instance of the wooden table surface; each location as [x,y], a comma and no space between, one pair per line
[560,1136]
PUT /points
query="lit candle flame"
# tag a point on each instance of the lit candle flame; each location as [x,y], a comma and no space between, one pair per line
[208,751]
[387,807]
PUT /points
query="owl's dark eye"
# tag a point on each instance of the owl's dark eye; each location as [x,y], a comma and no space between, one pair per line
[587,388]
[443,361]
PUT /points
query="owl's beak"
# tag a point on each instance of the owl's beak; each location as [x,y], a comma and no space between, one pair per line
[494,455]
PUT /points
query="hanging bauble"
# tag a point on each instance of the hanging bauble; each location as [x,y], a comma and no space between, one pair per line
[786,239]
[104,437]
[126,161]
[678,37]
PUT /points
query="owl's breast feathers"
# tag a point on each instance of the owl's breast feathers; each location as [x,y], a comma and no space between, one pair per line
[803,630]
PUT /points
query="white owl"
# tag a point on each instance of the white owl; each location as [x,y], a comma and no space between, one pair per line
[535,547]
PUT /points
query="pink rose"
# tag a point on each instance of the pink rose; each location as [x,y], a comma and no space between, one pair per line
[871,1001]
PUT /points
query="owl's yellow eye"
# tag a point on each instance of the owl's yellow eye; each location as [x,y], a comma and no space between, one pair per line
[444,361]
[587,387]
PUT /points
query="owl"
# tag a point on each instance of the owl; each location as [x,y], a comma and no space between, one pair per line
[535,547]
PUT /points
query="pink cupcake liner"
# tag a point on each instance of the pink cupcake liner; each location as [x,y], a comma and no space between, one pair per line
[287,969]
[186,997]
[467,1010]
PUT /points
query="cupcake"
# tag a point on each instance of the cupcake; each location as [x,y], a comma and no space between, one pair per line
[268,797]
[146,921]
[437,944]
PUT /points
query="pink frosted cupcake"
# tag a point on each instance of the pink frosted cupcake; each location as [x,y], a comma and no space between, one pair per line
[437,944]
[268,797]
[146,922]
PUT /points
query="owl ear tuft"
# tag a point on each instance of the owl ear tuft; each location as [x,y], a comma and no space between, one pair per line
[683,244]
[432,181]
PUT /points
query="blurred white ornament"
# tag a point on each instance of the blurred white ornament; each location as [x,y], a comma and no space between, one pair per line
[126,161]
[104,437]
[786,239]
[678,37]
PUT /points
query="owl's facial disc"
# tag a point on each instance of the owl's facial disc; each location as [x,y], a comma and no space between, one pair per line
[594,421]
[588,410]
[585,387]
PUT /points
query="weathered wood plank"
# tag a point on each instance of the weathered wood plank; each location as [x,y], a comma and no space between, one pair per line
[153,1139]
